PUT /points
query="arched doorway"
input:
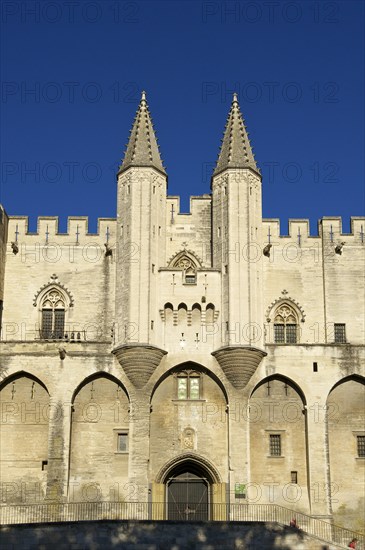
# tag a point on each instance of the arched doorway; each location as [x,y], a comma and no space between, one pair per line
[188,493]
[188,488]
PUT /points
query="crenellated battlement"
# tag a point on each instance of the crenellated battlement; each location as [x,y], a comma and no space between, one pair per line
[328,228]
[47,230]
[196,202]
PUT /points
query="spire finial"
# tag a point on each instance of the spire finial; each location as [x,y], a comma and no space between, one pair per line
[142,147]
[235,151]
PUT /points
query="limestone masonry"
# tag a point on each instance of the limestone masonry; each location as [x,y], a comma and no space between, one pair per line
[184,359]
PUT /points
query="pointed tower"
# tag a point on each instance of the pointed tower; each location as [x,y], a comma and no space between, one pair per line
[235,151]
[142,183]
[142,149]
[237,243]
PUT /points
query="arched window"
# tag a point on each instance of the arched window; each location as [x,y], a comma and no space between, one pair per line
[187,262]
[188,384]
[189,269]
[285,325]
[53,315]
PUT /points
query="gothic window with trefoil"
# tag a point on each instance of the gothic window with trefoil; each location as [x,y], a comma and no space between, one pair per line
[53,301]
[53,315]
[285,325]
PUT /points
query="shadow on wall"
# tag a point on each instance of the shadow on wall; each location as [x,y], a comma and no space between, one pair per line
[157,535]
[351,518]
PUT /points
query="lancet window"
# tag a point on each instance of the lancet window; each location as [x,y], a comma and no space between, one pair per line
[285,325]
[53,315]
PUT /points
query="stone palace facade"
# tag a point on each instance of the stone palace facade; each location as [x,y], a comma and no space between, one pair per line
[187,359]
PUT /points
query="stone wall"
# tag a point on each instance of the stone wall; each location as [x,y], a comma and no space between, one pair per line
[161,535]
[3,245]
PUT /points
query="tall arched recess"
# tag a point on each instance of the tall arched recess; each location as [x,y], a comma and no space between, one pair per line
[99,440]
[346,443]
[188,438]
[278,444]
[24,427]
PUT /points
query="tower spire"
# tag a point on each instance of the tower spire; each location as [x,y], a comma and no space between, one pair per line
[235,151]
[142,148]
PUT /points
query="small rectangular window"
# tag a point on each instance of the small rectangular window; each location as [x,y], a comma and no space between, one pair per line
[315,367]
[361,446]
[122,442]
[153,268]
[275,445]
[340,333]
[190,279]
[188,386]
[294,477]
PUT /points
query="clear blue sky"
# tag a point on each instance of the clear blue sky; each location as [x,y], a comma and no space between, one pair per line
[298,68]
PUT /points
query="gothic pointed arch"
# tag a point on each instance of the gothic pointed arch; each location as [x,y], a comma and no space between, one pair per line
[53,300]
[285,381]
[94,377]
[54,283]
[290,302]
[192,459]
[191,367]
[185,259]
[286,314]
[22,374]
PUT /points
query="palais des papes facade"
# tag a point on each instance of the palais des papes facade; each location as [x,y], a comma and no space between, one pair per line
[186,359]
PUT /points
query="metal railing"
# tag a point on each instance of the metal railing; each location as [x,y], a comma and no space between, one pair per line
[93,511]
[64,336]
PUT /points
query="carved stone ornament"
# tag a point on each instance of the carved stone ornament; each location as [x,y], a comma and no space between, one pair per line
[53,283]
[285,300]
[187,438]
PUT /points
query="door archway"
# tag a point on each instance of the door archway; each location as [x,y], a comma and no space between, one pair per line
[188,488]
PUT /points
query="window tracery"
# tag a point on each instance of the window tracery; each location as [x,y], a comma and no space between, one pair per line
[285,325]
[188,264]
[53,306]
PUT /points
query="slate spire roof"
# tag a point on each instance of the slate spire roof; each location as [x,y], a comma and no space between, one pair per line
[142,148]
[235,151]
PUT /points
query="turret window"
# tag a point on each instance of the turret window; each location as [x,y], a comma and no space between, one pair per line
[189,268]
